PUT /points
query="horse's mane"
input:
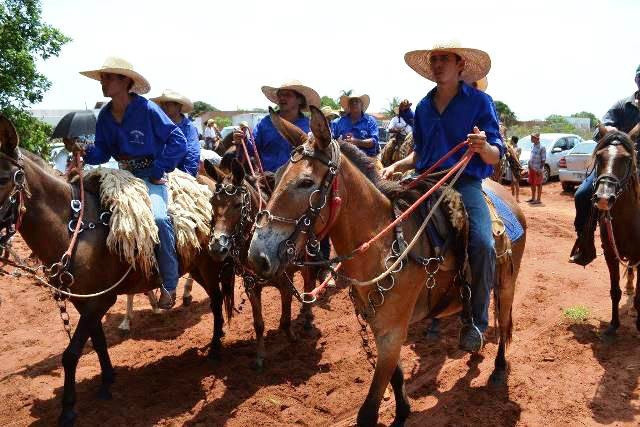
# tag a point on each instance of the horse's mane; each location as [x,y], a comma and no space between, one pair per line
[364,164]
[40,162]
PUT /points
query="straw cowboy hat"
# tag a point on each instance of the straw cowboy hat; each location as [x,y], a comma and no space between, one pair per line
[211,122]
[169,95]
[344,101]
[117,65]
[310,95]
[329,112]
[476,62]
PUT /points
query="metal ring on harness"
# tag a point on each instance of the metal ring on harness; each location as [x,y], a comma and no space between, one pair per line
[393,283]
[260,215]
[19,178]
[66,279]
[324,201]
[72,225]
[389,262]
[76,205]
[311,300]
[102,219]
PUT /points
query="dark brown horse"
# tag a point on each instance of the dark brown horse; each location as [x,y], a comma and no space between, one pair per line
[235,205]
[617,199]
[389,306]
[45,230]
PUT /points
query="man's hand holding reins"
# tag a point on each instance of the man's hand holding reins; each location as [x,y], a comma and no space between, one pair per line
[478,144]
[74,146]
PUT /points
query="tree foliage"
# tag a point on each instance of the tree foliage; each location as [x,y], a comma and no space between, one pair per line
[326,101]
[390,111]
[593,120]
[24,40]
[222,122]
[200,107]
[347,92]
[505,114]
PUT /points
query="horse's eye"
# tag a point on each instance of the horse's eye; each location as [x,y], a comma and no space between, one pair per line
[306,183]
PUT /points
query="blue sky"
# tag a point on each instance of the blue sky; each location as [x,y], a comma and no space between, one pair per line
[548,57]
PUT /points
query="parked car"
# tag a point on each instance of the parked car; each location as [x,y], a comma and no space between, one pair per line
[573,167]
[60,157]
[557,146]
[227,130]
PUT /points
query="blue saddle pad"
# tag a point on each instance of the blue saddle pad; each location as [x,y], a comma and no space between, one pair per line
[511,223]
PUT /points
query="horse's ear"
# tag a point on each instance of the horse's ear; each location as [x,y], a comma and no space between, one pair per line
[238,172]
[289,131]
[8,136]
[602,130]
[320,128]
[211,170]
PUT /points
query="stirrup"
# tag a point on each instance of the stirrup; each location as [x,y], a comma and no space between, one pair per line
[472,330]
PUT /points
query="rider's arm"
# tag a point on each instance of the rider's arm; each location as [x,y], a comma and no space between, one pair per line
[191,160]
[487,121]
[175,144]
[98,152]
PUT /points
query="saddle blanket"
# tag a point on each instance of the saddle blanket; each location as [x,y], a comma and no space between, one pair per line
[511,223]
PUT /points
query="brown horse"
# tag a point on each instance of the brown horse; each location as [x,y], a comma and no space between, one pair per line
[389,307]
[396,149]
[235,204]
[617,199]
[44,228]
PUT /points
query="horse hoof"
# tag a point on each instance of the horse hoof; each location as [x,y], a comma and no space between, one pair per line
[67,419]
[186,301]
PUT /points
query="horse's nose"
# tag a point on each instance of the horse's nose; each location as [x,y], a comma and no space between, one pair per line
[604,203]
[219,245]
[260,263]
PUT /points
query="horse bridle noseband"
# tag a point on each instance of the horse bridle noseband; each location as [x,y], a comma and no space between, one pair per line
[245,215]
[13,209]
[305,223]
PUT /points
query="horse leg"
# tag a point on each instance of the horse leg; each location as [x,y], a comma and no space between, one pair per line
[615,292]
[153,302]
[386,365]
[630,277]
[636,302]
[187,299]
[255,298]
[100,346]
[308,278]
[215,302]
[125,325]
[433,330]
[285,315]
[70,359]
[403,408]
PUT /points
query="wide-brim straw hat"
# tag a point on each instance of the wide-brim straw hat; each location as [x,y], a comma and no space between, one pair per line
[120,66]
[169,95]
[310,95]
[477,62]
[364,98]
[482,84]
[329,112]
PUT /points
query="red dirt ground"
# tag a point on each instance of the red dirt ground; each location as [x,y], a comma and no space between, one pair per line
[562,372]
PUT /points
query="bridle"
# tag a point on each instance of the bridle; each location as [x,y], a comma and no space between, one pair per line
[619,184]
[318,199]
[13,209]
[236,237]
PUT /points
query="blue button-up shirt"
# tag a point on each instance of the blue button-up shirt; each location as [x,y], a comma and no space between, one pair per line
[274,150]
[435,134]
[145,131]
[366,127]
[191,160]
[408,116]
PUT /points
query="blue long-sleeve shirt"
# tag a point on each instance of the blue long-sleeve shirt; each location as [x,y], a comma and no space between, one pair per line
[408,116]
[273,149]
[435,134]
[366,127]
[145,131]
[191,160]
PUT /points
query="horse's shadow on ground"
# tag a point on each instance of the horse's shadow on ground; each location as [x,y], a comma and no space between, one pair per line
[177,385]
[618,356]
[462,404]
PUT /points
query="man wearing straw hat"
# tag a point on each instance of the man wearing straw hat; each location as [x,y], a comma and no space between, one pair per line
[453,112]
[292,99]
[211,135]
[175,107]
[138,134]
[356,127]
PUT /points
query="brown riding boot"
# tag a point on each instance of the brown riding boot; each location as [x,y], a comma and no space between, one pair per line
[584,250]
[167,299]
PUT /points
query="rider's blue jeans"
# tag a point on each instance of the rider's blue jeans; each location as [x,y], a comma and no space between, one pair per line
[582,199]
[166,254]
[482,253]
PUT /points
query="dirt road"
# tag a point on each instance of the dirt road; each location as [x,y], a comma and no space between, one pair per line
[562,372]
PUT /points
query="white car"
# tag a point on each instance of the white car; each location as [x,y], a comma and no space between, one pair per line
[557,146]
[60,156]
[573,167]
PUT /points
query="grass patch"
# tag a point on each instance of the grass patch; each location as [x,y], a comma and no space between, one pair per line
[576,313]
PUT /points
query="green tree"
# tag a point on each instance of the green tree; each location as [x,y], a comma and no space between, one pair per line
[200,107]
[587,115]
[505,114]
[222,122]
[390,111]
[24,40]
[326,101]
[347,92]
